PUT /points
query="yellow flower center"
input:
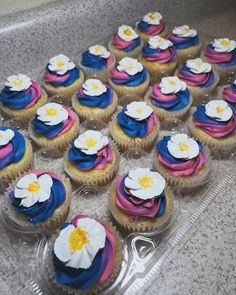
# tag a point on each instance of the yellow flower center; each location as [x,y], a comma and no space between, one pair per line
[160,40]
[51,112]
[199,63]
[1,136]
[17,82]
[225,42]
[130,66]
[145,181]
[33,187]
[97,49]
[186,28]
[152,15]
[172,82]
[95,86]
[220,109]
[127,32]
[183,146]
[139,110]
[78,239]
[90,142]
[60,63]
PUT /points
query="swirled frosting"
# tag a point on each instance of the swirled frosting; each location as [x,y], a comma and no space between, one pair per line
[184,37]
[229,94]
[37,195]
[152,24]
[102,252]
[126,39]
[12,146]
[180,166]
[97,57]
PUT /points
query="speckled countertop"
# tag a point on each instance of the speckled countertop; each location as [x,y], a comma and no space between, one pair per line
[204,262]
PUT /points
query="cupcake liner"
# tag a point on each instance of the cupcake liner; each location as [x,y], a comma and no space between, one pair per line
[86,112]
[148,225]
[93,177]
[122,90]
[188,53]
[119,54]
[58,217]
[145,37]
[98,74]
[65,92]
[126,142]
[163,114]
[15,169]
[61,142]
[97,288]
[25,114]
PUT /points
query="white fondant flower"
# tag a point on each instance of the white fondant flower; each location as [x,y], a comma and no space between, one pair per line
[94,87]
[100,51]
[18,82]
[144,183]
[52,114]
[198,66]
[224,45]
[130,65]
[6,136]
[139,110]
[219,110]
[32,189]
[152,18]
[234,82]
[181,146]
[60,64]
[90,142]
[127,33]
[78,246]
[184,31]
[159,42]
[172,85]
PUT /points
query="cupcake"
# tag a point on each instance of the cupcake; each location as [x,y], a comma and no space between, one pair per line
[54,126]
[125,43]
[200,78]
[95,100]
[21,97]
[187,43]
[170,99]
[130,77]
[214,124]
[141,201]
[228,93]
[152,24]
[62,77]
[86,256]
[39,200]
[222,54]
[97,62]
[92,159]
[136,126]
[159,57]
[182,160]
[16,155]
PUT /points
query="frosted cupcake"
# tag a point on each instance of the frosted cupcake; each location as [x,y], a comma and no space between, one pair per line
[39,200]
[228,93]
[21,97]
[222,54]
[92,159]
[86,256]
[54,126]
[141,201]
[95,100]
[152,24]
[170,99]
[200,78]
[214,124]
[186,41]
[97,62]
[125,43]
[136,126]
[16,155]
[159,57]
[182,160]
[62,77]
[130,77]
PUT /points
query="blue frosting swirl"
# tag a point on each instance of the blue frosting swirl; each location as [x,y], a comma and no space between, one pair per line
[143,26]
[57,81]
[183,42]
[132,81]
[93,61]
[135,43]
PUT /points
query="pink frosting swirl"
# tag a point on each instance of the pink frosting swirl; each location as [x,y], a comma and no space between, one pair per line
[217,57]
[161,97]
[36,92]
[154,30]
[229,94]
[69,122]
[120,43]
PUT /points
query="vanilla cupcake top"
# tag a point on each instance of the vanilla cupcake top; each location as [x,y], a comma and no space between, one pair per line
[151,24]
[184,37]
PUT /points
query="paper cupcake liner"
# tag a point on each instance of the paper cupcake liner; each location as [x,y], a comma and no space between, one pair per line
[25,114]
[122,90]
[188,53]
[65,92]
[61,142]
[93,177]
[95,113]
[145,37]
[97,288]
[126,142]
[120,53]
[15,169]
[147,225]
[52,223]
[163,114]
[98,74]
